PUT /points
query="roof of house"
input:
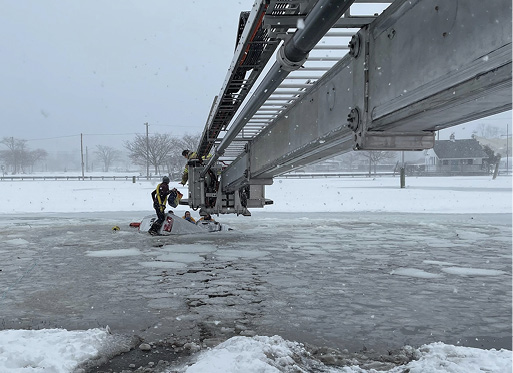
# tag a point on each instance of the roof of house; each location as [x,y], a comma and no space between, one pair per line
[458,149]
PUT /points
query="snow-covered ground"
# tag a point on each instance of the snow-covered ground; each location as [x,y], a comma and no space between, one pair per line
[60,350]
[460,195]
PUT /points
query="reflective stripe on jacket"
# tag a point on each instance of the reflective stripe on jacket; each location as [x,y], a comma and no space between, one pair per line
[159,196]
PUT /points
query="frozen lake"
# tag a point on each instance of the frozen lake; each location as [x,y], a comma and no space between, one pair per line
[378,278]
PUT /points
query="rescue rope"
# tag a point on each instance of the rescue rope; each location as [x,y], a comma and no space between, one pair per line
[162,206]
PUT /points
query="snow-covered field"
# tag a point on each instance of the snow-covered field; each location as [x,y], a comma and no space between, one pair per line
[59,350]
[460,195]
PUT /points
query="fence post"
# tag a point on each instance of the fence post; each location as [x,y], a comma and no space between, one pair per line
[403,178]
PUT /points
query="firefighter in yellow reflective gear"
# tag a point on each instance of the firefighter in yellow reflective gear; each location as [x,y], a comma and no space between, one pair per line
[159,196]
[187,154]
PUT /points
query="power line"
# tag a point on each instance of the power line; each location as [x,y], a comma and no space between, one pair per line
[54,138]
[171,125]
[111,134]
[85,134]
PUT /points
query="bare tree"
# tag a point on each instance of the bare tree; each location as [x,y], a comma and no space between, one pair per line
[350,159]
[107,155]
[155,149]
[35,155]
[12,156]
[489,132]
[175,162]
[189,142]
[18,156]
[492,159]
[376,156]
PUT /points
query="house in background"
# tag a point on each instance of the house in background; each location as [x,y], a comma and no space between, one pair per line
[456,157]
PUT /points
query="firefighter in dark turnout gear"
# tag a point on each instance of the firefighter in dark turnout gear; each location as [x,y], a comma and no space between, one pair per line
[159,196]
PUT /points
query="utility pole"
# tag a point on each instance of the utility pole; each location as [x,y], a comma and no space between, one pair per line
[507,149]
[147,153]
[82,154]
[403,172]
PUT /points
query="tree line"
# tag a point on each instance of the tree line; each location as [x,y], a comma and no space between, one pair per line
[18,158]
[161,152]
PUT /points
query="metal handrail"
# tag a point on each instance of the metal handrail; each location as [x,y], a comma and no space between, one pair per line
[77,178]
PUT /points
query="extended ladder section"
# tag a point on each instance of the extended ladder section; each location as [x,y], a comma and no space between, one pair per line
[312,79]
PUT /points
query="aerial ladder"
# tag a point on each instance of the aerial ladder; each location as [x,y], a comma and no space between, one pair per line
[311,79]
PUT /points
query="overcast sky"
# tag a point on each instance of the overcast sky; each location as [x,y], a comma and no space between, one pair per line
[106,67]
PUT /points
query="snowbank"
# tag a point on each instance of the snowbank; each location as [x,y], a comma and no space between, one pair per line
[48,350]
[62,351]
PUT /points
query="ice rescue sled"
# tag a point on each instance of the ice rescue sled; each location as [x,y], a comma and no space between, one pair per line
[172,225]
